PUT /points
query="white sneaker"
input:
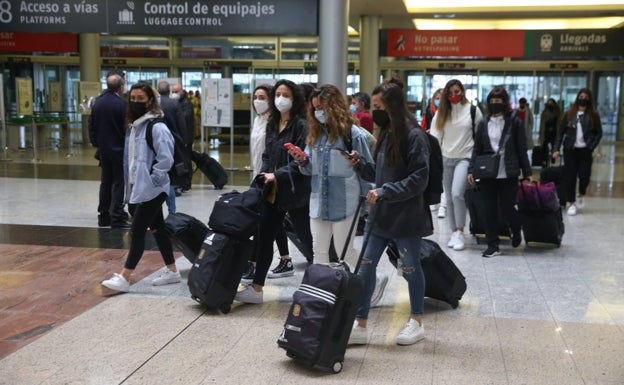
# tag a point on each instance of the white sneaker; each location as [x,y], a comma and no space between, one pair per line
[442,212]
[451,242]
[359,335]
[580,203]
[381,280]
[166,277]
[572,210]
[433,207]
[117,283]
[249,295]
[412,332]
[459,241]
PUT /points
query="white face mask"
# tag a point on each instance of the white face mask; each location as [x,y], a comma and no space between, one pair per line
[320,116]
[261,106]
[175,96]
[283,104]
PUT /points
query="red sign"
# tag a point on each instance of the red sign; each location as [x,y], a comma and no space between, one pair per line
[470,43]
[38,42]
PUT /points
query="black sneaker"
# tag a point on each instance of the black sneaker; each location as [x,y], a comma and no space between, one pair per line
[284,269]
[248,276]
[492,251]
[104,220]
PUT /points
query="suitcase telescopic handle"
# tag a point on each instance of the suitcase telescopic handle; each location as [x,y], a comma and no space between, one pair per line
[353,223]
[371,219]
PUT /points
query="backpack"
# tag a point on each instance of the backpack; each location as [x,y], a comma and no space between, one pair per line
[181,160]
[434,188]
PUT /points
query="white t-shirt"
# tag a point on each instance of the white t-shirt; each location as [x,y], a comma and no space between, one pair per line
[580,142]
[257,142]
[456,138]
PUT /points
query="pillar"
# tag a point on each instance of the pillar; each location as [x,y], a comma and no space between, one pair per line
[333,42]
[369,53]
[89,70]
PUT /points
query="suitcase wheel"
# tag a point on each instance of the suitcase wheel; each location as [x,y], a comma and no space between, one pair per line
[454,303]
[226,309]
[337,366]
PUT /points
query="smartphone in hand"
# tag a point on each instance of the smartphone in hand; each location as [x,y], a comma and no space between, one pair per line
[345,153]
[288,146]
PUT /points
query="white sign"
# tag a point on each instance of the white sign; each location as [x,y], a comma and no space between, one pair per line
[216,105]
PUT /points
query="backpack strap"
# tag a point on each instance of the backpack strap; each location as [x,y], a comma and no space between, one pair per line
[148,132]
[473,113]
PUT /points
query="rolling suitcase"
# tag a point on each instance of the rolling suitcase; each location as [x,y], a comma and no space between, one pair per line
[211,168]
[443,280]
[539,156]
[542,226]
[187,233]
[215,275]
[476,210]
[320,319]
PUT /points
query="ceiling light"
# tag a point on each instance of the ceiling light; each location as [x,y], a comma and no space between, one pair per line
[518,24]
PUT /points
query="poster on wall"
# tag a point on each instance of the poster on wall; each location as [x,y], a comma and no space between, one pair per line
[217,102]
[55,97]
[87,92]
[24,96]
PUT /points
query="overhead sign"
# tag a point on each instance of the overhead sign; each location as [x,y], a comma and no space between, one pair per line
[581,43]
[487,44]
[38,42]
[162,17]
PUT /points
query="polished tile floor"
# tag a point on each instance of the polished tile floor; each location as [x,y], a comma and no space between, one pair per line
[534,315]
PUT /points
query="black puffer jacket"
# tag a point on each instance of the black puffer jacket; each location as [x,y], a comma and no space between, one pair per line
[401,211]
[516,158]
[293,188]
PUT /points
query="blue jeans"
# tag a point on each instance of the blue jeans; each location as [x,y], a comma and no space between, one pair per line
[409,251]
[171,198]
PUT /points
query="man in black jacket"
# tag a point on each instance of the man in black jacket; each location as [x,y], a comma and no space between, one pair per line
[107,129]
[188,116]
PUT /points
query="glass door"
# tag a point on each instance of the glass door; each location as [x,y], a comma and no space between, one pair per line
[607,96]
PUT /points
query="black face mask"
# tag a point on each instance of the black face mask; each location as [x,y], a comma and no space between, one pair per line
[137,109]
[496,108]
[582,102]
[381,118]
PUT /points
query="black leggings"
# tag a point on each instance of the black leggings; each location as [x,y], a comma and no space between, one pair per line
[270,224]
[144,215]
[577,163]
[499,194]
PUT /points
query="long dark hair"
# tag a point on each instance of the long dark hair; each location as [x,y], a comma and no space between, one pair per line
[152,103]
[401,120]
[298,109]
[590,111]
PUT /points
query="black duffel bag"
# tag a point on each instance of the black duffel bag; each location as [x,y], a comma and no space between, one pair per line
[237,213]
[187,233]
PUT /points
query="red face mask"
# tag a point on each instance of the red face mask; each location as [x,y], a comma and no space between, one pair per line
[454,98]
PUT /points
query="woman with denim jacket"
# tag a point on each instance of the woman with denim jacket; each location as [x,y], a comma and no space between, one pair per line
[336,187]
[580,133]
[147,186]
[501,127]
[398,212]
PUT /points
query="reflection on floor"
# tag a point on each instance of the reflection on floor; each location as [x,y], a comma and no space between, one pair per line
[534,315]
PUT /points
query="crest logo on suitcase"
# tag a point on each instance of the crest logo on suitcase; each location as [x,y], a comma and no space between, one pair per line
[296,312]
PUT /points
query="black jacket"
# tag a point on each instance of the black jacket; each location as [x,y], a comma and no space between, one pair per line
[107,123]
[566,134]
[516,158]
[295,192]
[401,211]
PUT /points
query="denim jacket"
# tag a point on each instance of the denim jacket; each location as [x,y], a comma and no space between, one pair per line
[149,169]
[336,187]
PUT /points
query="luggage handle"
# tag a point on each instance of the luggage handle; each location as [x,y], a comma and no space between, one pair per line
[353,223]
[371,218]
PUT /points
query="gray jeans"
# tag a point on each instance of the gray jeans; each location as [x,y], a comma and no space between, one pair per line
[455,185]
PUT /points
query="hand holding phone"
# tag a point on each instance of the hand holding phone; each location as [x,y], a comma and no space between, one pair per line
[345,153]
[298,153]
